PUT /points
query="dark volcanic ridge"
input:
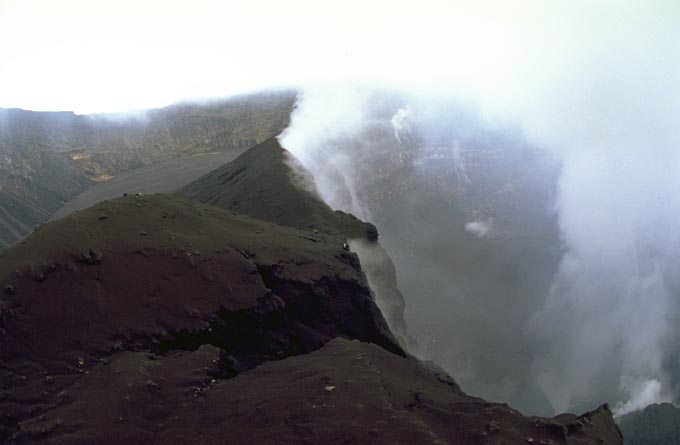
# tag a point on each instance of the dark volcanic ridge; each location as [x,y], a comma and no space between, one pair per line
[157,319]
[262,183]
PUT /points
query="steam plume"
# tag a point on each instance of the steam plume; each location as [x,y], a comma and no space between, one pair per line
[606,330]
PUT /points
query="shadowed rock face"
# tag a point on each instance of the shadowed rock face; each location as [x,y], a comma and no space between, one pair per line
[658,424]
[47,158]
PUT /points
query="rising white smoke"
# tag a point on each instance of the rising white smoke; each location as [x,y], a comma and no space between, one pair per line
[642,394]
[421,194]
[606,104]
[322,126]
[400,123]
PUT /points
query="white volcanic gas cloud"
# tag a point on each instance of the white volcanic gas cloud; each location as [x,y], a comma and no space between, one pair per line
[611,317]
[613,309]
[321,138]
[642,394]
[603,94]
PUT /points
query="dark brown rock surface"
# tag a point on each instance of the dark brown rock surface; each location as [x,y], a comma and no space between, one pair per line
[162,274]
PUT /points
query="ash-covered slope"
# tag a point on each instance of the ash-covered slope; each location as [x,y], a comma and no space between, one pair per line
[262,184]
[48,158]
[658,424]
[160,177]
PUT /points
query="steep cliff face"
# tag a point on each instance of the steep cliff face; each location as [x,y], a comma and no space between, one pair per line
[47,158]
[262,184]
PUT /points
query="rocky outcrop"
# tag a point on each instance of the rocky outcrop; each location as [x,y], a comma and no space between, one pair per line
[267,183]
[163,275]
[47,158]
